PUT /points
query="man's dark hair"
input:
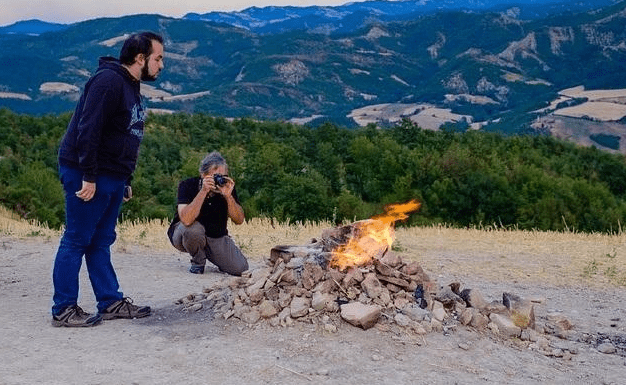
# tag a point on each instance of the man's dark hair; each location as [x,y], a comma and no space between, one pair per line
[136,44]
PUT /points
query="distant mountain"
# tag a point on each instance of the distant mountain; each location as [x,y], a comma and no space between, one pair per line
[351,16]
[32,27]
[492,68]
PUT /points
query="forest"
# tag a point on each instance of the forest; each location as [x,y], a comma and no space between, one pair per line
[293,173]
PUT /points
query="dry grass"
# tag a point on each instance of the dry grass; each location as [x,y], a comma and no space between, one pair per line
[559,258]
[255,237]
[533,257]
[12,225]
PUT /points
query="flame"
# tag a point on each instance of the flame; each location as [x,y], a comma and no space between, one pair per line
[371,238]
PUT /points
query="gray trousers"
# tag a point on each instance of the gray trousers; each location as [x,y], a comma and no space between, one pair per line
[222,252]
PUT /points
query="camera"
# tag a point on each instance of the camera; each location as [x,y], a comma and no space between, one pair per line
[219,179]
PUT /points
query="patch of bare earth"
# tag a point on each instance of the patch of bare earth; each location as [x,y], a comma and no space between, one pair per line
[580,130]
[576,276]
[599,114]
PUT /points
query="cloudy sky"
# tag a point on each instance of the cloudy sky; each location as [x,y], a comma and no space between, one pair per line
[69,11]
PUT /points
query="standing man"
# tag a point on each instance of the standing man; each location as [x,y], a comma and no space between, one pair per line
[97,157]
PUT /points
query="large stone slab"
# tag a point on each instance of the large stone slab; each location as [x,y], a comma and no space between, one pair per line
[360,315]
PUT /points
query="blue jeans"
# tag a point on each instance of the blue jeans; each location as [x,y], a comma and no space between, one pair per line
[89,232]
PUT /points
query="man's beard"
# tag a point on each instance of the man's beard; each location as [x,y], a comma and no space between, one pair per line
[145,73]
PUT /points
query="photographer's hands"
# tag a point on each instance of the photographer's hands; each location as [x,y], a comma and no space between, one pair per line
[227,189]
[235,211]
[209,186]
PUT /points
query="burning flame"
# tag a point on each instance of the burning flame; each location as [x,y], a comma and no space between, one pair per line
[371,238]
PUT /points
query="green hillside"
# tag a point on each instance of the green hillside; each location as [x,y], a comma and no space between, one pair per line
[295,173]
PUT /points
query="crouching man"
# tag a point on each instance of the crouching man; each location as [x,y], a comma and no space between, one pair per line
[199,226]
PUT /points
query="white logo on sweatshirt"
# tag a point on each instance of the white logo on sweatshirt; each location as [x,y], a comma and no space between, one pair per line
[137,115]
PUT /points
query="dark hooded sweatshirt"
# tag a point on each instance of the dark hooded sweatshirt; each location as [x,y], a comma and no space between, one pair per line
[104,133]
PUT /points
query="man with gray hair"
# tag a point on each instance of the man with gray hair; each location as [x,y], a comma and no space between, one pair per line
[199,226]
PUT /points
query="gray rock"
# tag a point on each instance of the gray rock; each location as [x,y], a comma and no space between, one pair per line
[402,319]
[324,302]
[466,316]
[533,335]
[372,286]
[251,317]
[284,315]
[439,313]
[295,263]
[361,315]
[255,294]
[267,309]
[284,299]
[496,307]
[259,275]
[330,328]
[278,270]
[300,307]
[559,325]
[509,299]
[565,345]
[543,343]
[473,298]
[385,297]
[505,325]
[195,307]
[377,357]
[479,321]
[560,320]
[436,325]
[556,353]
[522,311]
[447,297]
[416,313]
[606,348]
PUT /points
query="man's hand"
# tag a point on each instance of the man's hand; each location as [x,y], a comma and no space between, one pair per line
[227,188]
[87,191]
[208,184]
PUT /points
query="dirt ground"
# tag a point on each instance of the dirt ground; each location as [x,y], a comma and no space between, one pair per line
[173,347]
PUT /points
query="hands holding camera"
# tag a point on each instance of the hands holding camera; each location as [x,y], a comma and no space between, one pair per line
[218,183]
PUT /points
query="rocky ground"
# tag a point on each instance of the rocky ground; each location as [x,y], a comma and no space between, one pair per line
[201,347]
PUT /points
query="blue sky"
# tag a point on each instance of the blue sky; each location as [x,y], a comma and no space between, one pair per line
[69,11]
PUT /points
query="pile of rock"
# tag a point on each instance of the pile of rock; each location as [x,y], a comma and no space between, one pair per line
[299,283]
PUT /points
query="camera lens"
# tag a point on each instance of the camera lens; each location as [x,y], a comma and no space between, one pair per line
[219,179]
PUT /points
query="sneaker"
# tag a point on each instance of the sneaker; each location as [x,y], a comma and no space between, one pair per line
[74,316]
[196,269]
[124,308]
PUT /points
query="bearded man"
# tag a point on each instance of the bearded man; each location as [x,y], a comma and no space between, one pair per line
[97,158]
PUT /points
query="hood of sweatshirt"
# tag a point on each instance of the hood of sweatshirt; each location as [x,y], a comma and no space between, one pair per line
[109,62]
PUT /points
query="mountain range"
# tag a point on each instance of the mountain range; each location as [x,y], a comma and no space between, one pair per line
[350,16]
[499,65]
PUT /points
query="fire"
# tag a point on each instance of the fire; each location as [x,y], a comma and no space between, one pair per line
[371,238]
